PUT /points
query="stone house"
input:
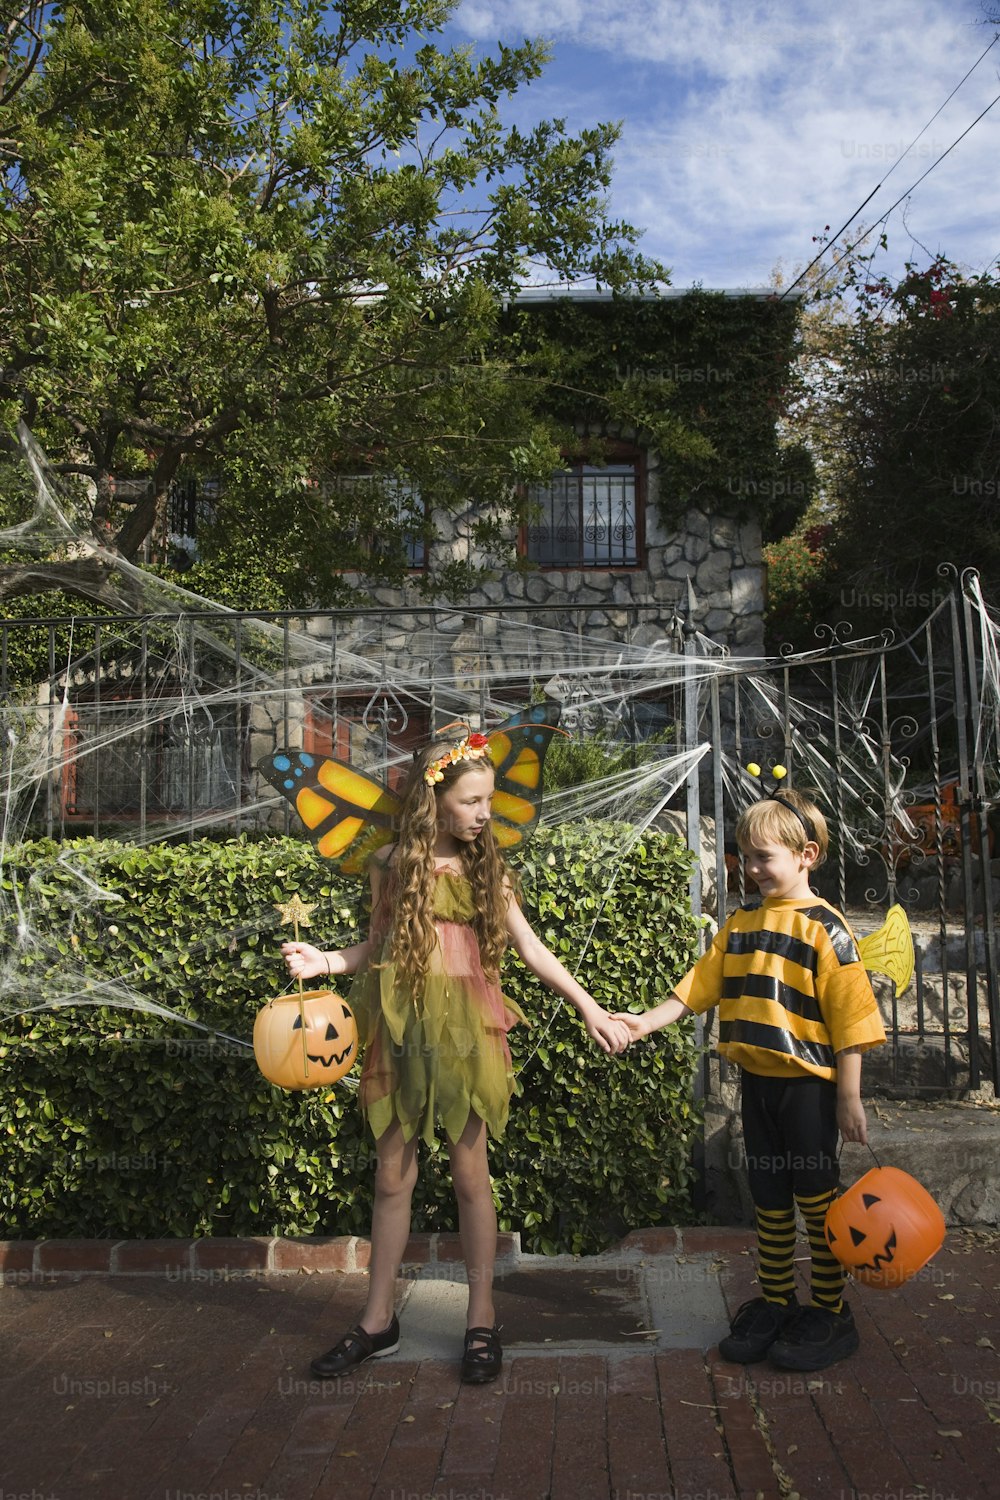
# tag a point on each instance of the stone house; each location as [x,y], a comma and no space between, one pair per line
[651,520]
[616,541]
[672,459]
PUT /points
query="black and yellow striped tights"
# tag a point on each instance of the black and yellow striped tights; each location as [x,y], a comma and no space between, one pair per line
[776,1252]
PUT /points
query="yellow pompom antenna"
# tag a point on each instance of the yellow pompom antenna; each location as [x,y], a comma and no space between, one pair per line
[777,771]
[777,775]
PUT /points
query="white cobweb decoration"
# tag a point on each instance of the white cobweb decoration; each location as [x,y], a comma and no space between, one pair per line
[148,727]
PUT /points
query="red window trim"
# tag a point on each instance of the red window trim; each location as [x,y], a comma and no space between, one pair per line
[322,734]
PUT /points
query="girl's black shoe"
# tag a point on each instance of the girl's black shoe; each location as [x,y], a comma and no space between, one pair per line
[482,1357]
[354,1348]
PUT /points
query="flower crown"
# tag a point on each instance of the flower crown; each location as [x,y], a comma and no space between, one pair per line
[473,747]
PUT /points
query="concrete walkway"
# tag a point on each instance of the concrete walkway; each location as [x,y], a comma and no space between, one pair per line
[192,1383]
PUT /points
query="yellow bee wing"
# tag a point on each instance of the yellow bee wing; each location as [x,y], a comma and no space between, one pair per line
[890,949]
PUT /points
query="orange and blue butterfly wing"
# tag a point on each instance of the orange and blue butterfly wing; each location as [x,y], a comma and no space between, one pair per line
[517,749]
[347,814]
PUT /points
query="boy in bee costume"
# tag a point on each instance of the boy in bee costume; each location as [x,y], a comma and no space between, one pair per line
[797,1010]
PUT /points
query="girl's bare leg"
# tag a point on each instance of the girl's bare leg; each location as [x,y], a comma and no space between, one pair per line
[477,1219]
[395,1178]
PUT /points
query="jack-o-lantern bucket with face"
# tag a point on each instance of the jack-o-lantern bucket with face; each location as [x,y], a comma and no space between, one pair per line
[885,1228]
[305,1041]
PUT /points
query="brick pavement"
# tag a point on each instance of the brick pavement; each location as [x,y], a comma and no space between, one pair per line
[191,1382]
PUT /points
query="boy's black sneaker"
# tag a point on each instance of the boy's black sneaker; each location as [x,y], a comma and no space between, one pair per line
[755,1328]
[815,1339]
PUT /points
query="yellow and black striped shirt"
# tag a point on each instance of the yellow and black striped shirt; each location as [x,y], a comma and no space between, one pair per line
[791,989]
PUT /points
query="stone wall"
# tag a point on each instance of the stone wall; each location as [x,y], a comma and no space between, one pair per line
[720,556]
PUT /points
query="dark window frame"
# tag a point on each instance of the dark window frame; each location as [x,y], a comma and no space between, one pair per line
[106,776]
[618,455]
[416,545]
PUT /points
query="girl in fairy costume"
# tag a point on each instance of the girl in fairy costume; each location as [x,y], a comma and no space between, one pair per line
[434,1023]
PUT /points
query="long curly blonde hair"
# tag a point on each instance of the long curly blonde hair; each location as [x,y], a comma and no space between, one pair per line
[410,892]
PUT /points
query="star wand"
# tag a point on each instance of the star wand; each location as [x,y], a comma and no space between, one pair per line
[295,913]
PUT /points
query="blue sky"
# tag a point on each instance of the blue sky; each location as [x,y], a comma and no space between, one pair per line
[748,127]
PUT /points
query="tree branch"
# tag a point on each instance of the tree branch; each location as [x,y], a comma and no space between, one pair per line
[90,578]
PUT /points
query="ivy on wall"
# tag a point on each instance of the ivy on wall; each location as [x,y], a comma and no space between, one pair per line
[702,378]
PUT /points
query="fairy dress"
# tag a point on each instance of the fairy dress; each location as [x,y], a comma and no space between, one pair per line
[442,1052]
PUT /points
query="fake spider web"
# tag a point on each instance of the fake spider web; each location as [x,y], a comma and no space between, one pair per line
[158,720]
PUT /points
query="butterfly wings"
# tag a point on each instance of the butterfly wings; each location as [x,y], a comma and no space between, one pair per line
[517,749]
[349,815]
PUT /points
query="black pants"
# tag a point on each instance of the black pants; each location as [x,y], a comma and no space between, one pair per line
[790,1136]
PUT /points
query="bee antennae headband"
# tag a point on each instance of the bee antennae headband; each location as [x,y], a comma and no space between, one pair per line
[778,773]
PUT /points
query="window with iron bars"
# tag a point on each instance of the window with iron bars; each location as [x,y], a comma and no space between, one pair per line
[124,757]
[586,517]
[193,504]
[404,506]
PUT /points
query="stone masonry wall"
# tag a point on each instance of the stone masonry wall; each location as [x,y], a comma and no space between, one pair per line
[721,557]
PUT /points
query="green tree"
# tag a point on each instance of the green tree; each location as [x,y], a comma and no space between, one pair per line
[919,403]
[898,403]
[271,242]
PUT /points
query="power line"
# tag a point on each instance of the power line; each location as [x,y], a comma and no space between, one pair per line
[909,190]
[892,169]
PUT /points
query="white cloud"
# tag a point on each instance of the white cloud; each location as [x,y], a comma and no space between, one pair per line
[747,128]
[724,37]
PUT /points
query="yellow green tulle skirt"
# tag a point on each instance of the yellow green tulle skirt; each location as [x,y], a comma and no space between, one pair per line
[441,1055]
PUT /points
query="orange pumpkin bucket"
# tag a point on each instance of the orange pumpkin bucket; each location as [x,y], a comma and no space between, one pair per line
[885,1228]
[305,1041]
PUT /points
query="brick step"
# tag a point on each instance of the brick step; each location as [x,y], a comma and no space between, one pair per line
[230,1256]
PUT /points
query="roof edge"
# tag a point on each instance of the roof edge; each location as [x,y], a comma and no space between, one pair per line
[665,294]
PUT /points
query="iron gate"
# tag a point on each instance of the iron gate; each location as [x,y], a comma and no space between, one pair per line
[898,739]
[152,725]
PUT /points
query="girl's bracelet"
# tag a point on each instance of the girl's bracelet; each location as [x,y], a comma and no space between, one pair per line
[328,969]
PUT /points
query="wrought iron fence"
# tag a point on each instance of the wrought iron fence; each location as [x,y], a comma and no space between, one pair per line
[150,727]
[899,741]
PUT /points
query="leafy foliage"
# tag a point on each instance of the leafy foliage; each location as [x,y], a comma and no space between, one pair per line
[797,586]
[116,1122]
[593,757]
[258,239]
[922,395]
[898,394]
[702,377]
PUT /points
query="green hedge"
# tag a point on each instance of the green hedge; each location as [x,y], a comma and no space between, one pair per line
[119,1122]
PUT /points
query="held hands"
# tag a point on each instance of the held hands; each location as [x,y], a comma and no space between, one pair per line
[635,1025]
[303,961]
[608,1031]
[665,1014]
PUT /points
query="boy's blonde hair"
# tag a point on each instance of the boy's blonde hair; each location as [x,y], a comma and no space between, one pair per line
[768,821]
